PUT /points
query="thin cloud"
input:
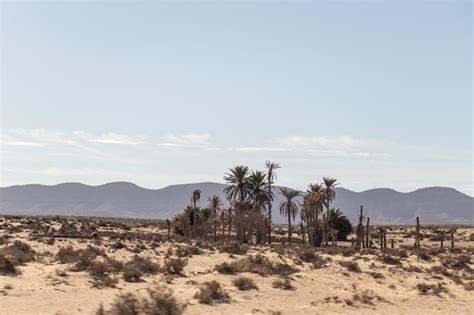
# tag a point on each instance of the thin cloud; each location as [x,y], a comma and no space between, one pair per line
[192,140]
[109,138]
[258,149]
[340,143]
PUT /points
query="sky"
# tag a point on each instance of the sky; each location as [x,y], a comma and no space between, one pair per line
[373,93]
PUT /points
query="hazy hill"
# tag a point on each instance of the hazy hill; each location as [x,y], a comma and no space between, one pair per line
[121,199]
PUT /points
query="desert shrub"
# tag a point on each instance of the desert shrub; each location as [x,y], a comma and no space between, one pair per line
[234,248]
[435,289]
[244,283]
[18,253]
[211,292]
[351,265]
[4,239]
[411,268]
[284,284]
[160,301]
[261,265]
[377,275]
[131,273]
[469,286]
[471,237]
[307,255]
[401,253]
[100,271]
[440,270]
[175,265]
[366,297]
[458,262]
[423,255]
[7,268]
[343,251]
[389,259]
[145,265]
[226,268]
[50,241]
[187,251]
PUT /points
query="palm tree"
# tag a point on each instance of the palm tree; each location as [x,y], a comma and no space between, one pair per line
[214,204]
[289,207]
[258,196]
[330,193]
[237,181]
[195,200]
[271,176]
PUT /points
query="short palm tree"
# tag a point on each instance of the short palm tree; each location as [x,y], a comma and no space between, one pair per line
[290,206]
[214,204]
[271,177]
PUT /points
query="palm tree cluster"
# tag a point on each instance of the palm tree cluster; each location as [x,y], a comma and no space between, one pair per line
[250,196]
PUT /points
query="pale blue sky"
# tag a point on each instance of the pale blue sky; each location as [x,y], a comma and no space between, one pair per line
[374,93]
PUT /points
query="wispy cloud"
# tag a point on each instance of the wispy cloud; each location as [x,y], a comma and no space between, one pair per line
[109,138]
[339,143]
[258,149]
[193,140]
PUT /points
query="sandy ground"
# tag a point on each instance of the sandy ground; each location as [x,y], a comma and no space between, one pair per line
[326,290]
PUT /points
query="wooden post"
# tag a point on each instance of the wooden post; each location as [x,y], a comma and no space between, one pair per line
[367,234]
[385,239]
[452,239]
[417,233]
[381,237]
[168,225]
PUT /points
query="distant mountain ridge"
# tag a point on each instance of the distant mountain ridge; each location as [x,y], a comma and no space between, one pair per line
[437,205]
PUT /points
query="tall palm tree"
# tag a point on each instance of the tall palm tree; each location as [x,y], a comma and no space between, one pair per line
[214,204]
[195,200]
[237,181]
[271,177]
[289,207]
[329,192]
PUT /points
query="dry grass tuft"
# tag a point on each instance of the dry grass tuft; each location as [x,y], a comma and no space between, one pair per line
[284,284]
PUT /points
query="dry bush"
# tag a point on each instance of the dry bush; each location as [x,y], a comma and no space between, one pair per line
[471,237]
[459,262]
[160,301]
[435,289]
[284,284]
[18,253]
[263,266]
[411,268]
[366,297]
[244,283]
[226,268]
[4,239]
[234,248]
[440,270]
[7,267]
[145,265]
[187,251]
[389,259]
[469,286]
[100,272]
[376,275]
[175,265]
[351,265]
[401,253]
[131,273]
[423,255]
[343,251]
[210,292]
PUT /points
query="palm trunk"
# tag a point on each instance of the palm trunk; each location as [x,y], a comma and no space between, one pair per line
[215,226]
[289,227]
[269,212]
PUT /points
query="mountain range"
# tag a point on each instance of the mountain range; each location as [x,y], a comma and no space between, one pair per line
[437,205]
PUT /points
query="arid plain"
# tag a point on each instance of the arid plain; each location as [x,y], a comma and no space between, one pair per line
[105,266]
